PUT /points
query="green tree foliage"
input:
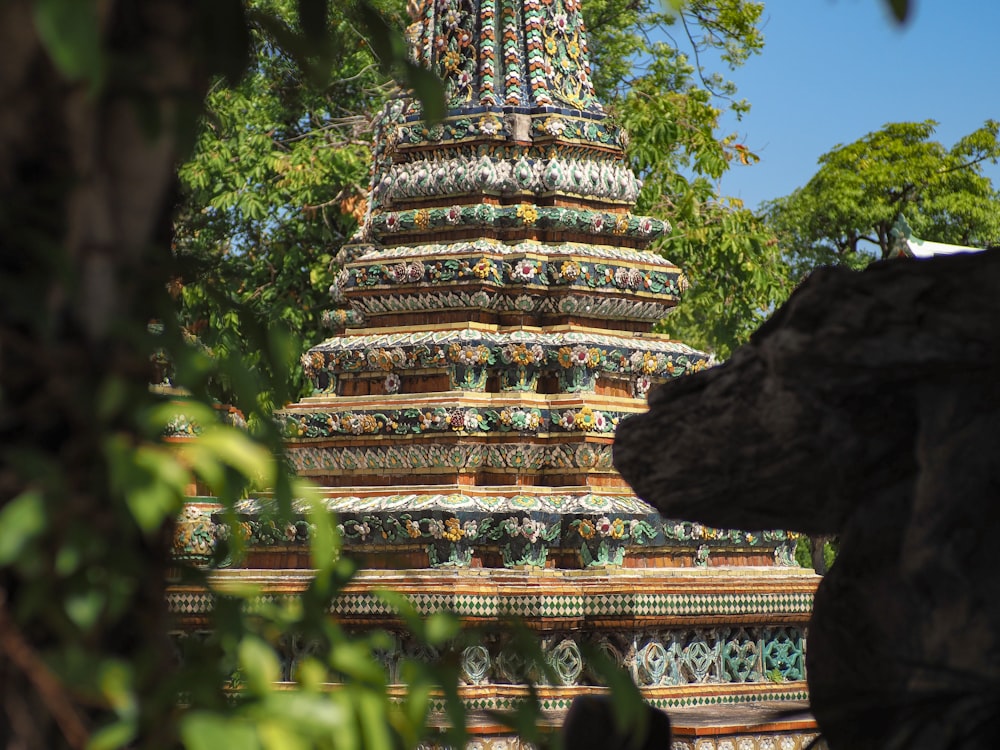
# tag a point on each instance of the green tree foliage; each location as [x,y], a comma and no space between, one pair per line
[277,182]
[654,67]
[846,212]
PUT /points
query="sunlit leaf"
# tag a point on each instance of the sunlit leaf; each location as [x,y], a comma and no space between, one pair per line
[259,664]
[357,662]
[441,627]
[324,542]
[279,734]
[208,731]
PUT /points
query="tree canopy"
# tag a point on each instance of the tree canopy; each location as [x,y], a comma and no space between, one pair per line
[846,212]
[671,106]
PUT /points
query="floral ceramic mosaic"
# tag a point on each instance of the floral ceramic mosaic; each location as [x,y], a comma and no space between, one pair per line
[524,529]
[486,217]
[534,270]
[518,356]
[493,52]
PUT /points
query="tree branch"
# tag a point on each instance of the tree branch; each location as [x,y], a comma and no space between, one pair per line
[52,692]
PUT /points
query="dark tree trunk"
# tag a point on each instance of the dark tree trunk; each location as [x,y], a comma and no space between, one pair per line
[86,180]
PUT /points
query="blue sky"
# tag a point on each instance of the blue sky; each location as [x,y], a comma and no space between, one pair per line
[833,70]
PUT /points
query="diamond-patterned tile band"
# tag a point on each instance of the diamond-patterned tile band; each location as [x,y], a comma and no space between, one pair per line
[576,606]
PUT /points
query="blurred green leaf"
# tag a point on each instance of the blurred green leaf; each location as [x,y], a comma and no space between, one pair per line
[116,681]
[21,521]
[201,730]
[71,33]
[153,481]
[900,9]
[259,665]
[317,715]
[281,734]
[113,736]
[356,662]
[324,543]
[441,627]
[375,726]
[84,608]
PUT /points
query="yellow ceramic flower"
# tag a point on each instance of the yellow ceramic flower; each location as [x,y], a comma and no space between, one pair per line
[570,270]
[527,213]
[648,362]
[565,356]
[452,530]
[586,528]
[482,268]
[520,355]
[422,218]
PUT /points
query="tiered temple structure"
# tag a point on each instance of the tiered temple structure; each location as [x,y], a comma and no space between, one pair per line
[494,327]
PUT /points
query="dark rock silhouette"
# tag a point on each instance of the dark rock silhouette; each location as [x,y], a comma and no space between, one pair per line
[590,725]
[867,407]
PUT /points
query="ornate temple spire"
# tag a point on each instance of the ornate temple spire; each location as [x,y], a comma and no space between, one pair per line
[525,152]
[506,53]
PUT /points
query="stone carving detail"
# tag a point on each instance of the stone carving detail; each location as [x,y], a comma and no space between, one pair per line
[607,308]
[566,661]
[494,174]
[661,658]
[476,664]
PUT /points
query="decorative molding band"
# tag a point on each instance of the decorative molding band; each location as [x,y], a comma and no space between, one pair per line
[654,658]
[519,357]
[578,251]
[553,126]
[493,174]
[608,609]
[527,271]
[348,421]
[312,460]
[527,301]
[489,218]
[453,531]
[795,740]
